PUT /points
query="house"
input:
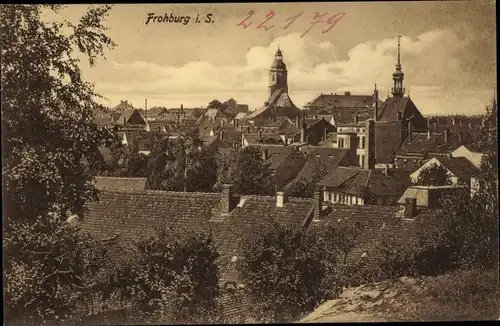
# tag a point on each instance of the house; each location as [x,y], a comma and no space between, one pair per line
[359,138]
[123,106]
[284,165]
[419,147]
[153,113]
[470,152]
[123,216]
[131,118]
[459,169]
[319,162]
[430,196]
[337,102]
[405,222]
[355,186]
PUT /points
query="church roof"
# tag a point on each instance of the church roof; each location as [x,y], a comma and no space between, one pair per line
[391,107]
[345,100]
[279,100]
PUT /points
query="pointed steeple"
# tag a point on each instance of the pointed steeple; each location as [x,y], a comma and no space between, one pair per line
[398,75]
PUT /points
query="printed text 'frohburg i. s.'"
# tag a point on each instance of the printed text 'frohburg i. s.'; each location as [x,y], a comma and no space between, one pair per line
[177,19]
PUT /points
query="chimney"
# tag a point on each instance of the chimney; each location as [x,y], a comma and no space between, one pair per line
[410,207]
[281,198]
[429,133]
[460,137]
[297,121]
[303,133]
[182,107]
[375,95]
[428,122]
[446,132]
[227,201]
[453,120]
[356,118]
[369,145]
[410,136]
[318,203]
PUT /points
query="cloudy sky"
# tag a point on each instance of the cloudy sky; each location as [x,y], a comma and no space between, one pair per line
[448,53]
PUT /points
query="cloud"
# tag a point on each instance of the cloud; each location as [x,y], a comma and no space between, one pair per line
[434,73]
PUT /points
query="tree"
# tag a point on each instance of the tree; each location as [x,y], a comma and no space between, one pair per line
[50,152]
[434,175]
[57,270]
[177,279]
[50,142]
[183,164]
[246,170]
[283,270]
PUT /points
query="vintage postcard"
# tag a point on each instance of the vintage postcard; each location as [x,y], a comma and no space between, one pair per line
[249,162]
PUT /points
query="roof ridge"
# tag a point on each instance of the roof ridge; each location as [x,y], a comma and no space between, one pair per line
[158,192]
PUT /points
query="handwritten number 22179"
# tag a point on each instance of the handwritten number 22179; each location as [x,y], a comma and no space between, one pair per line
[316,19]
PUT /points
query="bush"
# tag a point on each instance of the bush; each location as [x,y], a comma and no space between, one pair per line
[177,277]
[283,270]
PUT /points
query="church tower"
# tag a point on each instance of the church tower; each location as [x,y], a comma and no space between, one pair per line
[398,76]
[278,74]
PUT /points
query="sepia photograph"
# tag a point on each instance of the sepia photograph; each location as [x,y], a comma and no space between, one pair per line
[248,163]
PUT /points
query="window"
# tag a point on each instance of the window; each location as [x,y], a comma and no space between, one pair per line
[362,142]
[359,141]
[341,142]
[362,161]
[358,158]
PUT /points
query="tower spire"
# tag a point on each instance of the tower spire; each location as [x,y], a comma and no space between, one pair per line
[398,75]
[399,51]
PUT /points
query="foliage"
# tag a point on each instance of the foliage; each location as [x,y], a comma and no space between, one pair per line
[51,154]
[177,278]
[182,164]
[433,175]
[282,269]
[246,170]
[50,142]
[461,295]
[50,268]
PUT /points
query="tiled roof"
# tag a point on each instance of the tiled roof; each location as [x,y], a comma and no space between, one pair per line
[342,101]
[421,144]
[346,116]
[331,156]
[133,214]
[456,120]
[124,105]
[119,183]
[391,107]
[240,115]
[395,183]
[459,166]
[279,100]
[245,220]
[378,223]
[349,180]
[153,112]
[357,181]
[430,196]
